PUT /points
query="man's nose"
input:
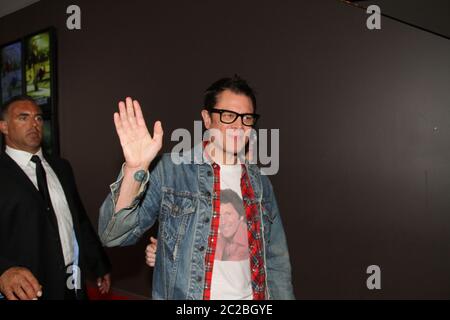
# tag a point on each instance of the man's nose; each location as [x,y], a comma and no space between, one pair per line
[35,123]
[237,124]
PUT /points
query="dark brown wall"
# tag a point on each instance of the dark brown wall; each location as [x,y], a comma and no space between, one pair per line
[364,118]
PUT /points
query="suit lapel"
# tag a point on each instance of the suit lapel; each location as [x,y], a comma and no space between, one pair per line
[24,180]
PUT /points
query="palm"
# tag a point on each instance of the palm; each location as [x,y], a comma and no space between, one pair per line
[139,147]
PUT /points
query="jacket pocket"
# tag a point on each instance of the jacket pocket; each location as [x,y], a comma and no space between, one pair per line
[177,213]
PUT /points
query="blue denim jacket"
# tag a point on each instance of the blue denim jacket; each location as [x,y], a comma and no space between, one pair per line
[179,196]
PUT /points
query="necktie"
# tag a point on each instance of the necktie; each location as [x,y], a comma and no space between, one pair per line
[43,188]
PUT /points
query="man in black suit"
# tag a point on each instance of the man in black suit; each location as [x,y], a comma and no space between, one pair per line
[47,243]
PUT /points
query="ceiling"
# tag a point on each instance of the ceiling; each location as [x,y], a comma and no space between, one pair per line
[10,6]
[429,15]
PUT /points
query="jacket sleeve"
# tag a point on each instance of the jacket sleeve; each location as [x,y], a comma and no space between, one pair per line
[91,248]
[278,263]
[127,226]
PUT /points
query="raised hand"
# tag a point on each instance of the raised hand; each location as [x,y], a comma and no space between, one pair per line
[138,146]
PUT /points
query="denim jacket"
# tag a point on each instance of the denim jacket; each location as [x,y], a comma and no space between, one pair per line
[180,197]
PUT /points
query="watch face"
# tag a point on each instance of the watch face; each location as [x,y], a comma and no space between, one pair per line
[139,175]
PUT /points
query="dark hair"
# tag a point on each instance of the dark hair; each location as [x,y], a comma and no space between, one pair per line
[7,104]
[235,84]
[229,196]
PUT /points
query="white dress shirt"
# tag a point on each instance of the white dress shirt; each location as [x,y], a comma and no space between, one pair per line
[57,196]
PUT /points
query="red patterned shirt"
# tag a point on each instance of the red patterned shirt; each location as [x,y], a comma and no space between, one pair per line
[257,269]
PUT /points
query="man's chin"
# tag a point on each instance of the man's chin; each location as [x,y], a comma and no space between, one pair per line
[36,144]
[33,138]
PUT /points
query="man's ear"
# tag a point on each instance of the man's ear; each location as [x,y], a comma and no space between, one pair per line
[206,119]
[3,127]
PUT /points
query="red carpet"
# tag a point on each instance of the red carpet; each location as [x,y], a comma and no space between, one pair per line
[95,295]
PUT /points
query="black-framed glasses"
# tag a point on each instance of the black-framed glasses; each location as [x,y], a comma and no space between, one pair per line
[228,117]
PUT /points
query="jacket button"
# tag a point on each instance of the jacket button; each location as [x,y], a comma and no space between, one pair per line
[208,194]
[199,278]
[201,248]
[207,220]
[209,173]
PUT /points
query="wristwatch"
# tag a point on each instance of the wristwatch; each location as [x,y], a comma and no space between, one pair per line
[140,175]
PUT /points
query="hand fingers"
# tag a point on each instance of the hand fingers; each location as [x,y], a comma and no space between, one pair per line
[20,293]
[130,112]
[36,287]
[117,123]
[153,240]
[107,284]
[122,111]
[150,249]
[119,128]
[125,123]
[150,262]
[138,112]
[150,257]
[102,289]
[104,283]
[158,131]
[24,286]
[9,294]
[101,285]
[28,290]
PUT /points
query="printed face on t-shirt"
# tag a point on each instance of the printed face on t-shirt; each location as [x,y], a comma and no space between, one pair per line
[230,220]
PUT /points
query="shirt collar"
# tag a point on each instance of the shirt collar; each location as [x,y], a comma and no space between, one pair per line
[22,158]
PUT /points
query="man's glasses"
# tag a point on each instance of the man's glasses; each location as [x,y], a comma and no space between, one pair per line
[228,117]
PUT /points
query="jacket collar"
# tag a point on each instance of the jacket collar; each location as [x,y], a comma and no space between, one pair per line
[22,158]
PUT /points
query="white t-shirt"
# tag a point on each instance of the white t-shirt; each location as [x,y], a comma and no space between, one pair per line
[231,277]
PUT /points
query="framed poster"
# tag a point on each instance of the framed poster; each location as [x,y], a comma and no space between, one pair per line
[39,68]
[11,66]
[40,82]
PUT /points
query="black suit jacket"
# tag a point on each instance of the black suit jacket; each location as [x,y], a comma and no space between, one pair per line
[28,238]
